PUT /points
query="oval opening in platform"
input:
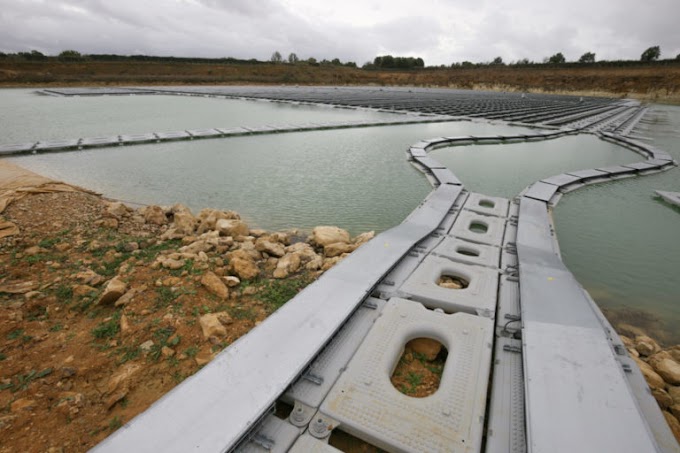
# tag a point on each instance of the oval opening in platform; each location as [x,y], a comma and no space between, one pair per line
[478,227]
[487,204]
[450,281]
[420,367]
[467,251]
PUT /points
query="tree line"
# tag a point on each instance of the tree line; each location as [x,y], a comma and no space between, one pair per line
[650,55]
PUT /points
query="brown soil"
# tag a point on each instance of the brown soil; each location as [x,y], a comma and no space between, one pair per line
[68,375]
[416,375]
[652,82]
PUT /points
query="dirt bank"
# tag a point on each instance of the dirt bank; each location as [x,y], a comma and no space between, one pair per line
[103,309]
[656,83]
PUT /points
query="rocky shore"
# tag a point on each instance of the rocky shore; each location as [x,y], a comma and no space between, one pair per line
[105,308]
[661,369]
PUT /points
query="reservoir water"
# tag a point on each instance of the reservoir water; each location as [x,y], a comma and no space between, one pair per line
[623,243]
[620,242]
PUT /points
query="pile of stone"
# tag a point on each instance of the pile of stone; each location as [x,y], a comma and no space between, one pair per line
[661,369]
[236,252]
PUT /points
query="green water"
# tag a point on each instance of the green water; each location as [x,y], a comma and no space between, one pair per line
[358,179]
[620,242]
[26,116]
[623,244]
[505,169]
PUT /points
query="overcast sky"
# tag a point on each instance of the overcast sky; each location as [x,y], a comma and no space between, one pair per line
[439,31]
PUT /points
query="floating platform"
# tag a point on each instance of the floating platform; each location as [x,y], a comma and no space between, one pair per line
[670,197]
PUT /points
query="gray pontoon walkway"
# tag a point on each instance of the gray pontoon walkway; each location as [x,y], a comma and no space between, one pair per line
[532,365]
[670,197]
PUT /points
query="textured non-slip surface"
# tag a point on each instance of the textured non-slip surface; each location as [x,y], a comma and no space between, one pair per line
[451,419]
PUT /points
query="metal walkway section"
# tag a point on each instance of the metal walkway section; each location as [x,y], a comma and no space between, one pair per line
[670,197]
[164,137]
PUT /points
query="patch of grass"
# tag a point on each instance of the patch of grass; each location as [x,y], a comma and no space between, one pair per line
[115,423]
[178,377]
[64,293]
[13,335]
[191,351]
[128,353]
[33,259]
[22,381]
[150,253]
[275,293]
[161,335]
[111,269]
[84,304]
[414,379]
[165,296]
[56,328]
[188,267]
[107,329]
[239,312]
[48,243]
[2,356]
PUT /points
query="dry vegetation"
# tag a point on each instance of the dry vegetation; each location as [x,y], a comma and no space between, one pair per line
[659,83]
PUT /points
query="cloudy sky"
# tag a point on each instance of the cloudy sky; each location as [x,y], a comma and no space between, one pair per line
[439,31]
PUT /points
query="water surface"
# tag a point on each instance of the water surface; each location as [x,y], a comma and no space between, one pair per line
[26,116]
[358,179]
[623,243]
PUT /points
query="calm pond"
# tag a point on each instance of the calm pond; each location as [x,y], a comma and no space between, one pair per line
[620,242]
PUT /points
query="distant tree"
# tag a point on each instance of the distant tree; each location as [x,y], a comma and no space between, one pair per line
[292,58]
[557,58]
[70,55]
[35,55]
[312,61]
[588,57]
[467,64]
[388,61]
[651,54]
[350,64]
[497,60]
[523,61]
[276,57]
[336,62]
[677,57]
[368,65]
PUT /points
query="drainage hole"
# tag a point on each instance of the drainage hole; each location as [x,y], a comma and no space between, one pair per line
[282,410]
[419,370]
[478,227]
[487,203]
[453,282]
[467,251]
[350,444]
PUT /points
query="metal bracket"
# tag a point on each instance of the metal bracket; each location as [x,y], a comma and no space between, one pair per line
[264,442]
[370,304]
[312,377]
[510,348]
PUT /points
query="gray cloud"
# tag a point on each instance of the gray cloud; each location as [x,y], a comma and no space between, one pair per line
[440,31]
